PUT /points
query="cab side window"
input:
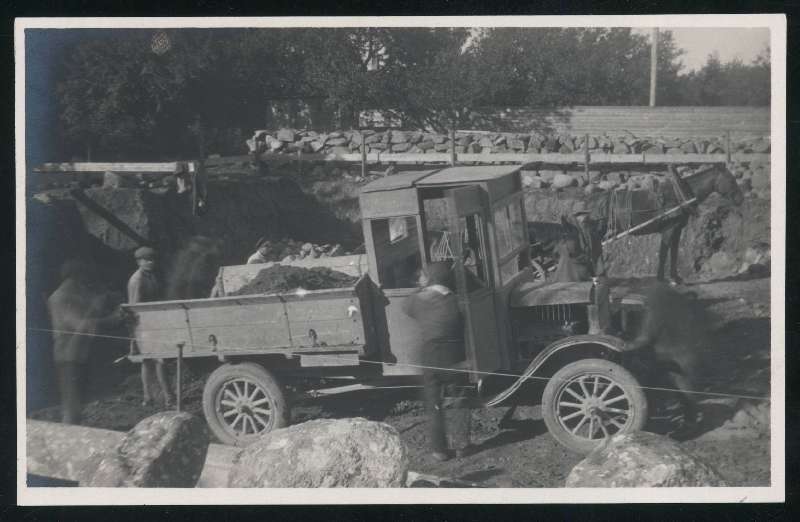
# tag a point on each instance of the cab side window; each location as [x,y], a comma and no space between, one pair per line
[397,252]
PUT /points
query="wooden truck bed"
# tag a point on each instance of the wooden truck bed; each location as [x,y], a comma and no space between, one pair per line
[308,322]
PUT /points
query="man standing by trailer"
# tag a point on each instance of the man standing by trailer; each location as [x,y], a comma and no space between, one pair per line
[80,310]
[144,286]
[436,312]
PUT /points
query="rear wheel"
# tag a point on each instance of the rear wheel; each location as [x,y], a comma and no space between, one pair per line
[241,402]
[589,400]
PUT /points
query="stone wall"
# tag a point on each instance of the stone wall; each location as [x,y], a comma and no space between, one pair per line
[291,141]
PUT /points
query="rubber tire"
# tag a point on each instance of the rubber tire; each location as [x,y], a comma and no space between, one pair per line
[257,373]
[609,369]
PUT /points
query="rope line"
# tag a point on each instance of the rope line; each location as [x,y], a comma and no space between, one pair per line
[418,366]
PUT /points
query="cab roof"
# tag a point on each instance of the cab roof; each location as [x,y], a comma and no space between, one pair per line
[462,174]
[424,178]
[402,180]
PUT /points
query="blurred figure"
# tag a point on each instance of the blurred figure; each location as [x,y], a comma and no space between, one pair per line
[580,252]
[436,312]
[260,255]
[194,269]
[144,286]
[78,309]
[674,330]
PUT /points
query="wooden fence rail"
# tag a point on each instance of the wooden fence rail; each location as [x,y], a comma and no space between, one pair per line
[558,160]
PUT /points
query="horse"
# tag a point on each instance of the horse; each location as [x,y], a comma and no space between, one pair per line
[635,207]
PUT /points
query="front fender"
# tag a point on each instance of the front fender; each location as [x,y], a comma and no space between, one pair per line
[609,342]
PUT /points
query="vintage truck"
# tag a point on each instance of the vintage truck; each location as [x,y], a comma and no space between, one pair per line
[527,340]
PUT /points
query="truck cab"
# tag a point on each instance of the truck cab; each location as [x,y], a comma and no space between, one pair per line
[526,338]
[474,217]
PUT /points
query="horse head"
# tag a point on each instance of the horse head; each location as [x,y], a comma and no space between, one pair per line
[715,179]
[726,186]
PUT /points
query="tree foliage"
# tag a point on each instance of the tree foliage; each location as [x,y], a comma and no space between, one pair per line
[732,83]
[212,87]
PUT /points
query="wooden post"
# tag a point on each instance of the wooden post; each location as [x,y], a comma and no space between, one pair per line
[300,162]
[363,158]
[728,148]
[453,146]
[193,180]
[653,66]
[586,157]
[178,375]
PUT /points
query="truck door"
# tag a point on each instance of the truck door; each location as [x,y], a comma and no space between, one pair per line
[467,215]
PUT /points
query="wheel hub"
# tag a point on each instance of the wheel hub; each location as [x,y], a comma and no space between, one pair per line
[244,407]
[593,406]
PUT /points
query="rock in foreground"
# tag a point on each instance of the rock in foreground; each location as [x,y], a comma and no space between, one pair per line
[641,460]
[165,450]
[324,453]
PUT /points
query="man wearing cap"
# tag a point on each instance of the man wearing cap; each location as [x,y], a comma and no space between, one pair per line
[436,313]
[144,286]
[260,255]
[581,252]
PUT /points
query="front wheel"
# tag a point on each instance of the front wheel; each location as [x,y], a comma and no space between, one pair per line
[589,400]
[243,401]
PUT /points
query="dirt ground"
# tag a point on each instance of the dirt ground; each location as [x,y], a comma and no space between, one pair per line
[734,436]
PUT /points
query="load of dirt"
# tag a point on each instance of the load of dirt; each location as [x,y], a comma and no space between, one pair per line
[281,279]
[287,250]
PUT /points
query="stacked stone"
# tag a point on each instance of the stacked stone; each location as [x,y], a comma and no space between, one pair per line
[286,250]
[288,141]
[753,179]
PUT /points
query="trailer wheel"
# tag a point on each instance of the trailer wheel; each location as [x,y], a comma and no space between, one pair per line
[587,401]
[243,401]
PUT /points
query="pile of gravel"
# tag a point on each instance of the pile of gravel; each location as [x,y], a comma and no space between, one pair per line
[282,279]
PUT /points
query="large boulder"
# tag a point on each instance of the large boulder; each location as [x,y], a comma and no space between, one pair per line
[641,460]
[166,450]
[323,453]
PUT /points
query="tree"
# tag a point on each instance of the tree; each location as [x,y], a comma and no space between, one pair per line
[733,83]
[579,66]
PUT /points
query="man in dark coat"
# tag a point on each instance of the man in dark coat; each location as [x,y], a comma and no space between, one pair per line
[79,310]
[144,286]
[581,251]
[436,312]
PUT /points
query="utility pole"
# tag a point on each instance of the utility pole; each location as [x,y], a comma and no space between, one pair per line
[653,65]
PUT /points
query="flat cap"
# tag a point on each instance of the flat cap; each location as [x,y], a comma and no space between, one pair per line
[145,253]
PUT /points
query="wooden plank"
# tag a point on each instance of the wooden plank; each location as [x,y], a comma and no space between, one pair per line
[414,157]
[684,158]
[600,158]
[119,168]
[339,359]
[124,228]
[596,158]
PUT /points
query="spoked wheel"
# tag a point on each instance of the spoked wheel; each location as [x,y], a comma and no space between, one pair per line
[241,402]
[590,400]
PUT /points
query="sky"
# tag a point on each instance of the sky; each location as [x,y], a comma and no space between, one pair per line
[729,42]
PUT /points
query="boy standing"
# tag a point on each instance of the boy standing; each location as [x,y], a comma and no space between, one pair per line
[144,286]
